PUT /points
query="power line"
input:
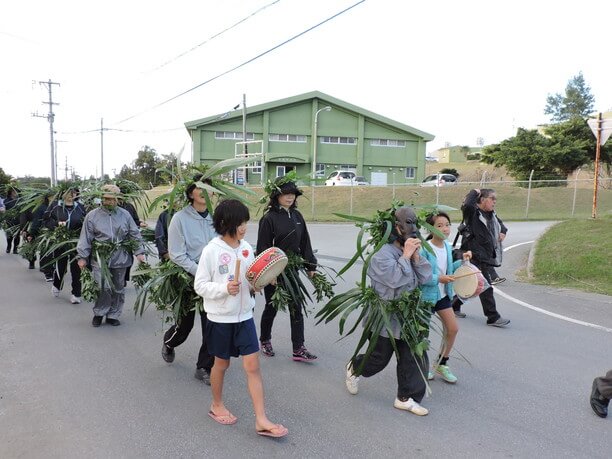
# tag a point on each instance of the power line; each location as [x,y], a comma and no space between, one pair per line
[242,64]
[213,37]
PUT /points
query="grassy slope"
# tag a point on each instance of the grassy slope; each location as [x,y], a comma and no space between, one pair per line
[576,254]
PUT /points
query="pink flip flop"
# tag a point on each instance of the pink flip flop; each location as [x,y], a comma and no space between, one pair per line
[277,431]
[225,419]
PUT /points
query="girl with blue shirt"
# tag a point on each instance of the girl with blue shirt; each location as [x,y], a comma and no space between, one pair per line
[440,290]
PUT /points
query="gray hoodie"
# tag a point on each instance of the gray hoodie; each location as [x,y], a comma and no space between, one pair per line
[103,225]
[188,234]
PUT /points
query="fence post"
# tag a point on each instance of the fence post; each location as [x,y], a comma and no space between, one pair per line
[312,200]
[394,185]
[575,187]
[528,194]
[437,192]
[351,209]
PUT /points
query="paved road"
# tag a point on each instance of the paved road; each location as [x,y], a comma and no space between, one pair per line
[68,390]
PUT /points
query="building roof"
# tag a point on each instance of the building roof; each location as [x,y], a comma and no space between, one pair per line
[192,125]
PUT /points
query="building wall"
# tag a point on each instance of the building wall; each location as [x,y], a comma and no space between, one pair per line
[298,119]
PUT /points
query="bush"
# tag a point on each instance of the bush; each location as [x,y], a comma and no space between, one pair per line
[450,171]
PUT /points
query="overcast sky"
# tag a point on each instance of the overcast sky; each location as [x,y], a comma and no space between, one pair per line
[456,69]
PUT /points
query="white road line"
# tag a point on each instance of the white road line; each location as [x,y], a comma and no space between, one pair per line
[544,311]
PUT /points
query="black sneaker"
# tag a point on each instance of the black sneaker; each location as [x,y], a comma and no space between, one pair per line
[498,280]
[96,321]
[167,353]
[302,355]
[202,375]
[266,349]
[461,315]
[113,322]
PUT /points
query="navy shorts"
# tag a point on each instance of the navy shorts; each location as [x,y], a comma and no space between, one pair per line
[442,304]
[231,340]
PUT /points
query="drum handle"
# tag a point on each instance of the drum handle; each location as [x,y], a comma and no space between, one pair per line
[467,274]
[237,271]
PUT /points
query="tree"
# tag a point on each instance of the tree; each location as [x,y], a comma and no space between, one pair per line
[5,179]
[577,102]
[528,150]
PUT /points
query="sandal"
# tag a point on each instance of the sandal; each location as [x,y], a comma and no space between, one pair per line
[277,431]
[225,419]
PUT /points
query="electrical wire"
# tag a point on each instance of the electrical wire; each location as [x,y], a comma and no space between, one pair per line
[212,37]
[242,64]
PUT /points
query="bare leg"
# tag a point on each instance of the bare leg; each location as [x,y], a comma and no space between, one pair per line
[255,385]
[216,384]
[447,316]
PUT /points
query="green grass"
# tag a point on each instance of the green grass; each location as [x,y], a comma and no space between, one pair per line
[576,254]
[553,203]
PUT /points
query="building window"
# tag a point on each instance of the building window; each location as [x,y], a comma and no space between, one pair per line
[280,171]
[287,138]
[339,140]
[256,168]
[388,143]
[320,171]
[226,135]
[348,166]
[410,172]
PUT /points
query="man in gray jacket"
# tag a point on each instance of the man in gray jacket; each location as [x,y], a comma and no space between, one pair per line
[190,230]
[109,223]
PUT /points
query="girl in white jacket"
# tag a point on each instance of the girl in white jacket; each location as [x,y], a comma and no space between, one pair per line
[228,301]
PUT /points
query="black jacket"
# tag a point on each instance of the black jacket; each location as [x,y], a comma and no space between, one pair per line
[287,231]
[479,238]
[161,234]
[60,213]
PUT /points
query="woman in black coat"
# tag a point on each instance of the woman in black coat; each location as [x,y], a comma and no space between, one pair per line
[283,226]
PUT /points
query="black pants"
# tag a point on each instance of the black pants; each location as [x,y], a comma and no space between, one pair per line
[12,240]
[296,318]
[604,385]
[410,381]
[59,272]
[487,300]
[178,333]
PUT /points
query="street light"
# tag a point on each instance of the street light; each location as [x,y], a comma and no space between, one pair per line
[315,141]
[314,155]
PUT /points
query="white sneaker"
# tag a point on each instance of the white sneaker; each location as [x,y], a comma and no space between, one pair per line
[54,291]
[410,405]
[352,381]
[75,299]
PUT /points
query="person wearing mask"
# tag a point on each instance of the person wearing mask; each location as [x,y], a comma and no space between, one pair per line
[70,215]
[283,226]
[190,229]
[109,223]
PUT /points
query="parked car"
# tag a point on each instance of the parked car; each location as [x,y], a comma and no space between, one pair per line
[360,180]
[433,159]
[439,180]
[340,178]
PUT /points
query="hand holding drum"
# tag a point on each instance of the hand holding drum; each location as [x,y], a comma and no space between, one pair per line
[268,265]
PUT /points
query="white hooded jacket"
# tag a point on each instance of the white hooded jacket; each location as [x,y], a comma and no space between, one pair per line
[215,269]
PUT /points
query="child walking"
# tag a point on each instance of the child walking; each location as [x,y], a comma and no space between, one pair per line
[228,301]
[440,290]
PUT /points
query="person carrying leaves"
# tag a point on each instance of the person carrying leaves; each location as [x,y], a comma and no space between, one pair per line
[283,226]
[112,226]
[230,330]
[397,269]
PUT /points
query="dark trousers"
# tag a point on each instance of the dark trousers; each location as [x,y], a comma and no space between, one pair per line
[12,241]
[296,318]
[178,333]
[604,385]
[487,300]
[61,266]
[47,267]
[410,381]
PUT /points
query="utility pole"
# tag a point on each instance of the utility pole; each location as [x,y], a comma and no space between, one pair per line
[102,148]
[50,117]
[245,149]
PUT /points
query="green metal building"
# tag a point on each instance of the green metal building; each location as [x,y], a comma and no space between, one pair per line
[281,134]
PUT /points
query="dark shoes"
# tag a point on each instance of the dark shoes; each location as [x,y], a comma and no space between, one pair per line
[501,323]
[498,280]
[31,265]
[266,349]
[202,375]
[460,315]
[598,402]
[167,353]
[113,322]
[96,321]
[301,354]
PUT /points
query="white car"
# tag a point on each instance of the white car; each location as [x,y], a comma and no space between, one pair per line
[439,180]
[340,178]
